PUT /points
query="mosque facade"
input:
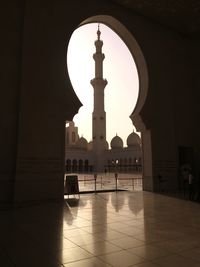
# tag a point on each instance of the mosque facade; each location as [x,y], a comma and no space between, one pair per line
[96,156]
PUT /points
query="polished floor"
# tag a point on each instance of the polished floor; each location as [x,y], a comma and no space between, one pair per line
[120,229]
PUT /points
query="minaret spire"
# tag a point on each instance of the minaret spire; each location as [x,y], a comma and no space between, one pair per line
[98,32]
[99,114]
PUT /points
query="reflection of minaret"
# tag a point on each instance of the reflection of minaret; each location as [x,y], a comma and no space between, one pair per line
[99,114]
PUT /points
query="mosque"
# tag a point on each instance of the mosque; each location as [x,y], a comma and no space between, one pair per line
[37,97]
[40,227]
[95,156]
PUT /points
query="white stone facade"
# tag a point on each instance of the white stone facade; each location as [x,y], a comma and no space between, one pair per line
[80,157]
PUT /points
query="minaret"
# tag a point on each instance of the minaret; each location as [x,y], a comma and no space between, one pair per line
[99,114]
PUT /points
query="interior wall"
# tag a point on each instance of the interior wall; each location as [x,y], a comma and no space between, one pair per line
[171,109]
[47,100]
[11,24]
[186,98]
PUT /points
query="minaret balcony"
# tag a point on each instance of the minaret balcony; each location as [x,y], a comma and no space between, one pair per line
[98,56]
[98,82]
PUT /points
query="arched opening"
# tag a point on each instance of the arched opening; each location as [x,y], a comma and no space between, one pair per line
[137,55]
[74,165]
[86,167]
[139,59]
[118,69]
[68,165]
[80,165]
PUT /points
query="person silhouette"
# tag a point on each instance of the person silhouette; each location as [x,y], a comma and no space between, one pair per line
[191,184]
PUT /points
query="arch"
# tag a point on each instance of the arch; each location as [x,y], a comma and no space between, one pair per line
[74,165]
[136,118]
[86,165]
[139,59]
[80,165]
[68,165]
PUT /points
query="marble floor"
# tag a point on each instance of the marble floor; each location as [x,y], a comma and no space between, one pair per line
[118,229]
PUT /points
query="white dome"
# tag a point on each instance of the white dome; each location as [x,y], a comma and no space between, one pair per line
[133,139]
[116,142]
[82,143]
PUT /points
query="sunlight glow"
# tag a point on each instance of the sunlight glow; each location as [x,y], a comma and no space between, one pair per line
[119,69]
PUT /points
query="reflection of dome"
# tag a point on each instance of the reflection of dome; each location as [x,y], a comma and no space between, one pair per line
[82,143]
[116,142]
[136,206]
[133,139]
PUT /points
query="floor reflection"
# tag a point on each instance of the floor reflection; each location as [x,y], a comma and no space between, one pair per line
[106,229]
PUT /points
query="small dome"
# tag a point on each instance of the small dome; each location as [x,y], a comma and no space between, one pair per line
[116,142]
[71,123]
[82,143]
[133,140]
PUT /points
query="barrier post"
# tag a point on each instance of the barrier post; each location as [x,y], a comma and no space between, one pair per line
[116,175]
[133,183]
[95,182]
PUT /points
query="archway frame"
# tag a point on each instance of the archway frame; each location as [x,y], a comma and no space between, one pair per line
[138,57]
[141,65]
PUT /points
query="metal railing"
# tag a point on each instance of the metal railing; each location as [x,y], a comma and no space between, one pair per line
[109,182]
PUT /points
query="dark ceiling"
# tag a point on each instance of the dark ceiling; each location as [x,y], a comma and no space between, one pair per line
[182,16]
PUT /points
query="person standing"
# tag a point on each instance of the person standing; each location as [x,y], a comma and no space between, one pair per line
[191,186]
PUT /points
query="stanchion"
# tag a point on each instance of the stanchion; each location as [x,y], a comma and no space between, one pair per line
[133,183]
[116,175]
[95,183]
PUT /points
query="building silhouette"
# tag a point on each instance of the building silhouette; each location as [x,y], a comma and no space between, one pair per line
[95,156]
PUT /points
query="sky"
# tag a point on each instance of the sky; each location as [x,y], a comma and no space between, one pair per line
[119,70]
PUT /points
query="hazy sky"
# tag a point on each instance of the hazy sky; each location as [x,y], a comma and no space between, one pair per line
[120,71]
